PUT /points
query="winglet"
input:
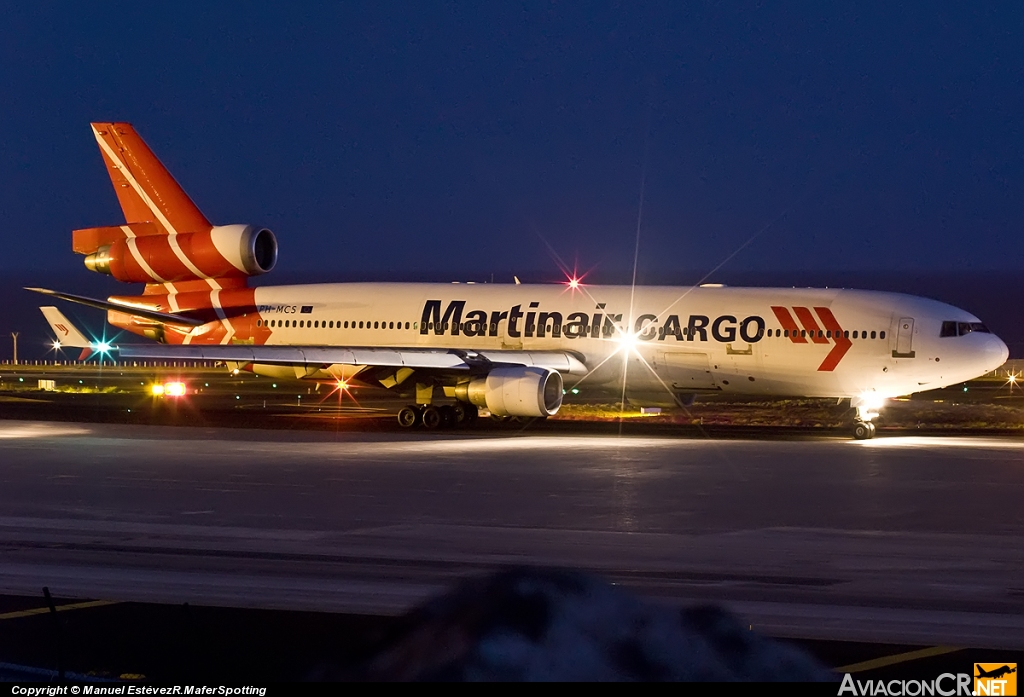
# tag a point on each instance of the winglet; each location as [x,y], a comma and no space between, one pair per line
[67,333]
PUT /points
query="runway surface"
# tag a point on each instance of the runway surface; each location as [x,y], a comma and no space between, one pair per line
[903,540]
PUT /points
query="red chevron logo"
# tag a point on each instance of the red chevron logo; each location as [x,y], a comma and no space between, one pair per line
[827,332]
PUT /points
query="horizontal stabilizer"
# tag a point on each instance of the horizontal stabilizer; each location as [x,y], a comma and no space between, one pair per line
[67,334]
[155,315]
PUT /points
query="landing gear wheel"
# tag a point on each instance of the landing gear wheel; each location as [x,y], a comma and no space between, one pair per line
[408,417]
[862,430]
[461,413]
[472,414]
[448,418]
[431,418]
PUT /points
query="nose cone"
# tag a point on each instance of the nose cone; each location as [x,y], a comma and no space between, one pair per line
[996,352]
[991,354]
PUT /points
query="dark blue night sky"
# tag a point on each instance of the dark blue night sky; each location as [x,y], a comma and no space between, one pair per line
[404,141]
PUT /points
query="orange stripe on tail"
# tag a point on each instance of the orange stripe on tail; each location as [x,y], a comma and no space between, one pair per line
[146,190]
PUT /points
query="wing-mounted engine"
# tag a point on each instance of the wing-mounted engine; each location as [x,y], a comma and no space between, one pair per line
[515,391]
[133,254]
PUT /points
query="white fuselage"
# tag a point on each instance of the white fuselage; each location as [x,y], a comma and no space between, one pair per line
[668,340]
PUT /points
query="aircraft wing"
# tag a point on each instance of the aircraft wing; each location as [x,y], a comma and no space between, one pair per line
[438,359]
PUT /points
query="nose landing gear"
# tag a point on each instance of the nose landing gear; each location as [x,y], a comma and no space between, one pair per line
[862,430]
[867,406]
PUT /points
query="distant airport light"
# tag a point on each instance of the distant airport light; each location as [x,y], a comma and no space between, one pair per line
[169,389]
[103,347]
[574,283]
[56,344]
[175,389]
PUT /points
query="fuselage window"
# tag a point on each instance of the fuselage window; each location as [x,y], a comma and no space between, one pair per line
[376,325]
[881,335]
[391,325]
[846,334]
[872,335]
[360,324]
[828,334]
[406,325]
[803,333]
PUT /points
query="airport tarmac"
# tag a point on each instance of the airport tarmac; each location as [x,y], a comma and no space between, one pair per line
[904,540]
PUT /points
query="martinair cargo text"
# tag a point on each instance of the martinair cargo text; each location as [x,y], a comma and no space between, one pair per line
[513,349]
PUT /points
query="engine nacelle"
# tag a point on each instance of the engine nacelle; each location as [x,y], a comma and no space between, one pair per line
[515,391]
[222,251]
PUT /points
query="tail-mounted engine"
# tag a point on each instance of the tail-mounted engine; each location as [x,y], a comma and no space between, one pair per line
[166,238]
[515,391]
[140,253]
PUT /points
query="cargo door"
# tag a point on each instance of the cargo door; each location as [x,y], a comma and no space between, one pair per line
[684,371]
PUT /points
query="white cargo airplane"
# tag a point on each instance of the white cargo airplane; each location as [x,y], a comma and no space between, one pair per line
[512,349]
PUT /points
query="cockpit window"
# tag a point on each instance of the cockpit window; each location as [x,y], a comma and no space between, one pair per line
[962,328]
[968,327]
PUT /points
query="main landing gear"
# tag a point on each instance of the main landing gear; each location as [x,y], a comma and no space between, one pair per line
[433,417]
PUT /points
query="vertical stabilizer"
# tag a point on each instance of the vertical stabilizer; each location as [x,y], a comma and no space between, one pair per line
[146,190]
[67,333]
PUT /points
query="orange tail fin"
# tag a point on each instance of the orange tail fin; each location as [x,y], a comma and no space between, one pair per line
[146,190]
